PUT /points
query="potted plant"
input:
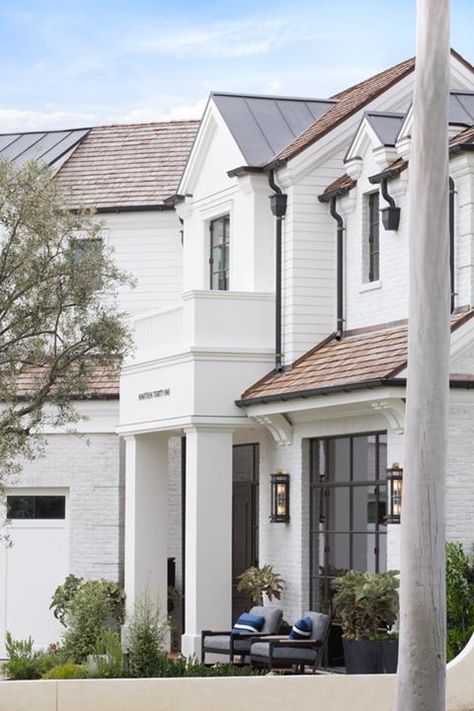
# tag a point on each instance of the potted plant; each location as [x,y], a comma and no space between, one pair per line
[259,582]
[366,605]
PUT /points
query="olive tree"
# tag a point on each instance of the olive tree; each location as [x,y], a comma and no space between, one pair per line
[59,323]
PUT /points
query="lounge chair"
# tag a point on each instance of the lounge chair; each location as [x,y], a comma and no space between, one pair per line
[231,643]
[284,652]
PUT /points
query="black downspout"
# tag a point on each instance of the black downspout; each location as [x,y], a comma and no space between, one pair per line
[278,203]
[340,267]
[451,242]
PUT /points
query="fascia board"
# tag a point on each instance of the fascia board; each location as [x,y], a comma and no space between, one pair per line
[364,138]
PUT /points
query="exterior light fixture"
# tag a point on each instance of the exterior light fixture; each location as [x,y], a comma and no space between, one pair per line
[394,493]
[280,491]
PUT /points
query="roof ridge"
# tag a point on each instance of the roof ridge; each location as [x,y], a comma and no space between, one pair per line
[371,78]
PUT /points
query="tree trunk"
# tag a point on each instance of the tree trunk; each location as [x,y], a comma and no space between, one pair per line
[421,680]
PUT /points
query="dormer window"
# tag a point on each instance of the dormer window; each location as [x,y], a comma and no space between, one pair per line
[373,251]
[219,253]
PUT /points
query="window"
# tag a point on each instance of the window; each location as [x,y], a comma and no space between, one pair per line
[373,237]
[37,507]
[219,253]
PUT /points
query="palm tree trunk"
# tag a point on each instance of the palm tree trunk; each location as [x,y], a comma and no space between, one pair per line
[421,680]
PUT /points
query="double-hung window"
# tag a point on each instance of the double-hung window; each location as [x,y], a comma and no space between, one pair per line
[219,253]
[373,237]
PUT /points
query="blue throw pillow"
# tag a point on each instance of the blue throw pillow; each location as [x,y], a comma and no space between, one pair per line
[248,624]
[302,629]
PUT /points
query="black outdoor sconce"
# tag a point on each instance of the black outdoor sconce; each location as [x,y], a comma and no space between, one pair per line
[280,491]
[394,493]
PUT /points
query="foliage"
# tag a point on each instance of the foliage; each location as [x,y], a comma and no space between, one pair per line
[459,598]
[65,593]
[87,608]
[366,603]
[259,581]
[23,661]
[67,671]
[146,635]
[108,660]
[193,668]
[59,321]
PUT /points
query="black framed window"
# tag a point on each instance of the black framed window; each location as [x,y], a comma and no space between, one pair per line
[36,507]
[219,253]
[373,237]
[347,509]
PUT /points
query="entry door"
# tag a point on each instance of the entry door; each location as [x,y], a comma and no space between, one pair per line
[244,520]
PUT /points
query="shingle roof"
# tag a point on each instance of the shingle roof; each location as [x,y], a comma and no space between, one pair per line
[349,102]
[364,358]
[103,382]
[263,125]
[138,165]
[463,138]
[338,187]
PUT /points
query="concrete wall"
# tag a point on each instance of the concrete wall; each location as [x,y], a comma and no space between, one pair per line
[280,693]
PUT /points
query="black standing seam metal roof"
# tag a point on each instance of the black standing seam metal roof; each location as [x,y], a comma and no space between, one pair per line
[386,126]
[461,107]
[44,146]
[263,125]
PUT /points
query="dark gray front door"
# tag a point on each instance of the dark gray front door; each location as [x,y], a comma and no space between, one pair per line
[244,520]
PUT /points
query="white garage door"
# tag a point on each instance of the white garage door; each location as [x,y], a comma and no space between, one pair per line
[33,566]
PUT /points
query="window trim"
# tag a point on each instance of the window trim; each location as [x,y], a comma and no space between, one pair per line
[373,237]
[226,242]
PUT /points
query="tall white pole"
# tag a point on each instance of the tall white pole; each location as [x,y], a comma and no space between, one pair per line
[421,679]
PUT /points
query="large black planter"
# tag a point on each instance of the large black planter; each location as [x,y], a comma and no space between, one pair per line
[365,657]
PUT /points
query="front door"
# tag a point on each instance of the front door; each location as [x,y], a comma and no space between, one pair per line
[244,520]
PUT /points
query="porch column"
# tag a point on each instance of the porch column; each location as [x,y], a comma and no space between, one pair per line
[146,518]
[208,570]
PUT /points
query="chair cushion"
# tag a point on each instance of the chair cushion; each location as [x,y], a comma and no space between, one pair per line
[248,623]
[272,615]
[320,625]
[302,629]
[298,655]
[221,643]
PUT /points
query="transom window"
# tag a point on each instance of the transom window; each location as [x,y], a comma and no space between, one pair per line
[219,253]
[36,507]
[373,237]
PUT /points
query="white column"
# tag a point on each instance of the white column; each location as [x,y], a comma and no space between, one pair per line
[208,571]
[146,518]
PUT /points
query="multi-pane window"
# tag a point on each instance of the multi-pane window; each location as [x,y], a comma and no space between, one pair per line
[219,253]
[373,237]
[36,507]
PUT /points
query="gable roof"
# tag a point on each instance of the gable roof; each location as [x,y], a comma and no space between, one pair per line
[103,382]
[461,107]
[366,358]
[349,102]
[263,125]
[47,147]
[386,125]
[128,167]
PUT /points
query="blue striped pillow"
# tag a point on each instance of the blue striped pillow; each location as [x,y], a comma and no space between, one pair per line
[302,629]
[247,623]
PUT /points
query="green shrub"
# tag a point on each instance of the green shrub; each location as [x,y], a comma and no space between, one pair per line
[67,671]
[459,598]
[146,635]
[23,661]
[108,660]
[259,581]
[86,608]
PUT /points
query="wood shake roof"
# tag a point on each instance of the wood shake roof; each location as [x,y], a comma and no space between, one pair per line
[103,382]
[349,102]
[366,358]
[133,166]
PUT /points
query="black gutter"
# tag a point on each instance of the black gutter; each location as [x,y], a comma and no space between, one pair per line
[160,207]
[244,170]
[278,202]
[330,194]
[340,268]
[451,243]
[462,148]
[173,200]
[458,384]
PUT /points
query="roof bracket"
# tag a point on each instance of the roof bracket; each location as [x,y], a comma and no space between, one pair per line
[279,427]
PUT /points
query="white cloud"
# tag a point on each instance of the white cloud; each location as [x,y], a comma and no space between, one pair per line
[12,120]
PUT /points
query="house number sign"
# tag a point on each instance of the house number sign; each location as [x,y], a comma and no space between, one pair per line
[150,394]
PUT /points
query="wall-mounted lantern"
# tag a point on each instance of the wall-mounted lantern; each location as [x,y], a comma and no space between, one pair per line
[280,493]
[394,493]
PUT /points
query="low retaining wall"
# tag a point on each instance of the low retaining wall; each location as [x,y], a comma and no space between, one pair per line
[284,693]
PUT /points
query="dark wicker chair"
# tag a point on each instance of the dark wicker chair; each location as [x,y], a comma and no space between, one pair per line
[231,644]
[285,653]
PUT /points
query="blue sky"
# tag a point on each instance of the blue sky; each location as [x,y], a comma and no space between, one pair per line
[88,62]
